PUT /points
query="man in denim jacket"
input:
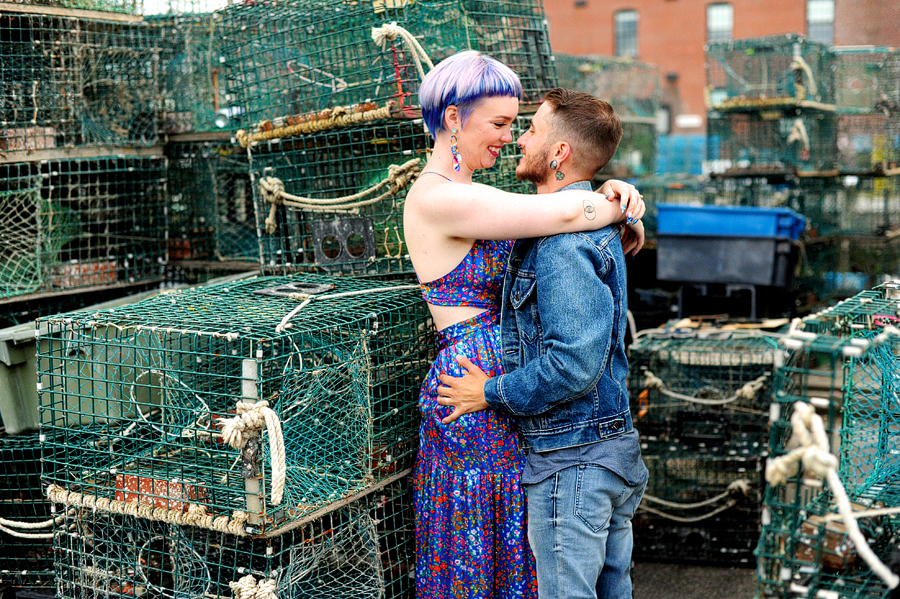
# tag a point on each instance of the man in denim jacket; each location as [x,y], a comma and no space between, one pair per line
[563,324]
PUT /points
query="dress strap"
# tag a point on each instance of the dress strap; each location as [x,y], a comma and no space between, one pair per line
[435,173]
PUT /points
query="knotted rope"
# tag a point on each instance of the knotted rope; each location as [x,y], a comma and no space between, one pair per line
[248,588]
[735,490]
[340,116]
[195,515]
[748,391]
[398,177]
[254,416]
[815,456]
[390,32]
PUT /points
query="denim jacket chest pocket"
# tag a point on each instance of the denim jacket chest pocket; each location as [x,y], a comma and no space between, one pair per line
[523,299]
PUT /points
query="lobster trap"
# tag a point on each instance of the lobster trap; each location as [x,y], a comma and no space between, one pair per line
[631,87]
[158,408]
[26,554]
[72,81]
[132,7]
[700,505]
[77,224]
[707,389]
[210,203]
[776,141]
[867,80]
[765,72]
[303,57]
[363,550]
[868,143]
[333,201]
[841,370]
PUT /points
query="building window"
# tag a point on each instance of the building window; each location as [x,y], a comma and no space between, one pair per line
[626,33]
[820,21]
[719,22]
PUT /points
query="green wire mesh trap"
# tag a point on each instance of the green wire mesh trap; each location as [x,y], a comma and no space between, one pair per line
[193,78]
[24,561]
[150,405]
[701,505]
[119,6]
[300,57]
[705,389]
[77,224]
[333,201]
[210,203]
[360,551]
[773,140]
[70,81]
[836,364]
[866,79]
[764,72]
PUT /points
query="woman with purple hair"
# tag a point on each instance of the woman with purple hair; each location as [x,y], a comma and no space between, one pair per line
[471,536]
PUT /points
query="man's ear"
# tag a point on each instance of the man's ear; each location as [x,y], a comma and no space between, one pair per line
[561,152]
[452,118]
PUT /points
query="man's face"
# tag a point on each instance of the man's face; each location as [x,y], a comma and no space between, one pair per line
[534,165]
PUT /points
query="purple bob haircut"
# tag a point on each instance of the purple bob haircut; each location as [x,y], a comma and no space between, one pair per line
[462,80]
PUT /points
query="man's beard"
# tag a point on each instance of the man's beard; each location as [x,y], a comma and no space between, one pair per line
[535,168]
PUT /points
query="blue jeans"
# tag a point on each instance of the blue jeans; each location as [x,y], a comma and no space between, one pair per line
[579,528]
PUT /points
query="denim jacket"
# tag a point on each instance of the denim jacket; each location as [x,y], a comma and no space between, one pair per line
[562,331]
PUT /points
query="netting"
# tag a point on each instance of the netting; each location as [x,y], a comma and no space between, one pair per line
[193,78]
[68,81]
[301,57]
[701,505]
[211,214]
[704,389]
[768,71]
[631,87]
[82,223]
[843,365]
[24,561]
[120,6]
[773,140]
[866,79]
[333,201]
[868,143]
[361,551]
[244,405]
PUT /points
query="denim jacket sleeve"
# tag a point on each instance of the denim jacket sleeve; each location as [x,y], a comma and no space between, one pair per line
[574,313]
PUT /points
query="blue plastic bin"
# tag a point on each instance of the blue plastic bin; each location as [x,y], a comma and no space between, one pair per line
[728,221]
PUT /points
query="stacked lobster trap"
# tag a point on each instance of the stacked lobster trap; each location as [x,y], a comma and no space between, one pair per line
[830,518]
[699,403]
[325,94]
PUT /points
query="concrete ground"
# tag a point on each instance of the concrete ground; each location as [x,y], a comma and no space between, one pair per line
[653,580]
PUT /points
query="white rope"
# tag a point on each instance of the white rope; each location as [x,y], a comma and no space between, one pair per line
[195,515]
[284,324]
[398,178]
[736,487]
[815,456]
[254,416]
[748,391]
[687,519]
[248,588]
[390,32]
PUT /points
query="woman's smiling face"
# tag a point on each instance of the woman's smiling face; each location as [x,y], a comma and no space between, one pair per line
[487,130]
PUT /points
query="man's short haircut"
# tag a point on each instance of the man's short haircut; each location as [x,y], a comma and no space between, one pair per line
[590,126]
[462,80]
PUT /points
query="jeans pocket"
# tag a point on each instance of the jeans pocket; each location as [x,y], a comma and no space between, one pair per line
[598,491]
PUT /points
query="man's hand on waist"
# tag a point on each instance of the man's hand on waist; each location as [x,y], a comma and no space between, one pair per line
[466,393]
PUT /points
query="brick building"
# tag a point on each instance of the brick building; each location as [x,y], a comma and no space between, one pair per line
[672,34]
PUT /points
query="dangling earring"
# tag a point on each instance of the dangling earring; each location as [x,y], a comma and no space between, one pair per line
[454,151]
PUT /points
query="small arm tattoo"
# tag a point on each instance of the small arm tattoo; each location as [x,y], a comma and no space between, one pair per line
[590,212]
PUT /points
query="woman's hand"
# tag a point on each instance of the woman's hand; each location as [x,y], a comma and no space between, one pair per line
[631,201]
[633,238]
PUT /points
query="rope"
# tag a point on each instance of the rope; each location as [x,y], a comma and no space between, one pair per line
[340,116]
[815,456]
[254,416]
[748,391]
[195,515]
[390,32]
[740,487]
[398,178]
[248,588]
[284,324]
[9,526]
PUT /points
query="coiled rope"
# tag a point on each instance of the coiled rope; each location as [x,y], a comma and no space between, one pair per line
[398,178]
[813,452]
[253,416]
[748,391]
[736,489]
[248,588]
[390,32]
